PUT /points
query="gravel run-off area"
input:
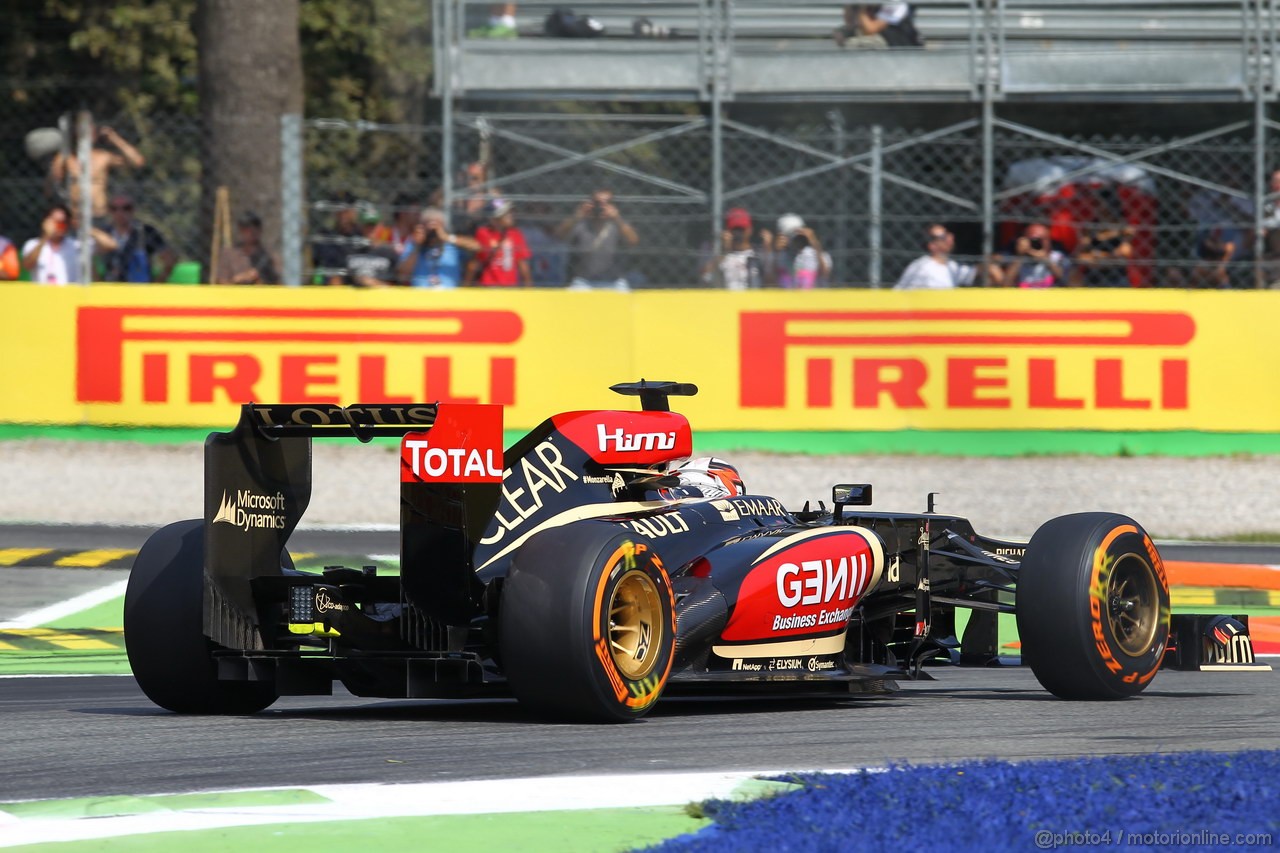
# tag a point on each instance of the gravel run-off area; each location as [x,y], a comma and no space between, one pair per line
[120,482]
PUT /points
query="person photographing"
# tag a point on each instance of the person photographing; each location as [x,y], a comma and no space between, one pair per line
[433,256]
[800,262]
[1035,263]
[54,256]
[503,256]
[598,237]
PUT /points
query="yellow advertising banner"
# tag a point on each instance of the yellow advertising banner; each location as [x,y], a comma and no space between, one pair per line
[764,360]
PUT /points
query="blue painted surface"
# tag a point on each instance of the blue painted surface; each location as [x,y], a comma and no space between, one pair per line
[1189,801]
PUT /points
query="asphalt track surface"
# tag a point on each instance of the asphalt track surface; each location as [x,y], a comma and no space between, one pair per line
[73,737]
[78,737]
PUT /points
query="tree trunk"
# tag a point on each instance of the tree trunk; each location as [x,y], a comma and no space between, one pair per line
[250,67]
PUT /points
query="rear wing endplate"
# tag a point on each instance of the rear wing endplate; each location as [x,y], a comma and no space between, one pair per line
[257,485]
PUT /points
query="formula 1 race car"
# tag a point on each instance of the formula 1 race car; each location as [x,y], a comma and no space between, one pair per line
[569,573]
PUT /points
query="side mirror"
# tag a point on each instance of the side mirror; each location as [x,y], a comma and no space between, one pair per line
[851,494]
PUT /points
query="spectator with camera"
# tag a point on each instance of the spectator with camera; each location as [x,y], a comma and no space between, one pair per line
[142,255]
[1035,263]
[503,256]
[937,270]
[1103,252]
[1102,257]
[742,260]
[800,263]
[248,261]
[433,256]
[596,234]
[54,256]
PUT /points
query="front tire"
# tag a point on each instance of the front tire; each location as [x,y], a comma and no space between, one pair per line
[1093,607]
[587,625]
[164,636]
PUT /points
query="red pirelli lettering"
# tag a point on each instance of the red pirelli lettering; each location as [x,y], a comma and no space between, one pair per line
[1042,386]
[966,377]
[235,375]
[301,382]
[102,334]
[901,379]
[769,338]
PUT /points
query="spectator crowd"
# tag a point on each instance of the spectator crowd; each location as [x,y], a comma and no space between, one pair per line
[478,242]
[480,239]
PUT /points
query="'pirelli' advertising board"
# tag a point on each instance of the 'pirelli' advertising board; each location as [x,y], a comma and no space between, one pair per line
[769,360]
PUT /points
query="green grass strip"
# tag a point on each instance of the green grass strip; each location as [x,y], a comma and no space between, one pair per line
[96,662]
[77,432]
[125,805]
[918,442]
[592,831]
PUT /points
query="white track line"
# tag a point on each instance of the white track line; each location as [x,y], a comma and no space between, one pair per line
[363,802]
[36,618]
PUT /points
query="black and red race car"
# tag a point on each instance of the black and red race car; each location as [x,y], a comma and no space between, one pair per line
[565,571]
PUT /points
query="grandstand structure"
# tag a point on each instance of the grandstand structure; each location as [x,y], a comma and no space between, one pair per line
[692,70]
[729,50]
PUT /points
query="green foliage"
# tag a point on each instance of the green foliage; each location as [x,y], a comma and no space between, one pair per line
[133,63]
[365,62]
[147,49]
[361,60]
[359,57]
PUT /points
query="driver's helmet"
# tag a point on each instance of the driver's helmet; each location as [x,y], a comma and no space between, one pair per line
[703,477]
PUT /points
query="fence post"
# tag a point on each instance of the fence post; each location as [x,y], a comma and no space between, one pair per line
[291,200]
[84,153]
[1259,184]
[444,72]
[718,23]
[989,139]
[840,245]
[1259,69]
[876,202]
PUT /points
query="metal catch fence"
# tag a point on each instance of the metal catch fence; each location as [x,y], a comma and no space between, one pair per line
[1198,210]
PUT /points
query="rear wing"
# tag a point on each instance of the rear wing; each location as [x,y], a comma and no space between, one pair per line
[257,486]
[453,475]
[361,421]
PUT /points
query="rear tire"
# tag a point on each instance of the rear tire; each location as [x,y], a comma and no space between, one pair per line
[164,636]
[1093,607]
[587,625]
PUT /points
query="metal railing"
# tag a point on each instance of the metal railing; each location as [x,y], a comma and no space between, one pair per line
[741,49]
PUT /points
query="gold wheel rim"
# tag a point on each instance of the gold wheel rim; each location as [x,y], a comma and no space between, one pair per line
[635,625]
[1133,601]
